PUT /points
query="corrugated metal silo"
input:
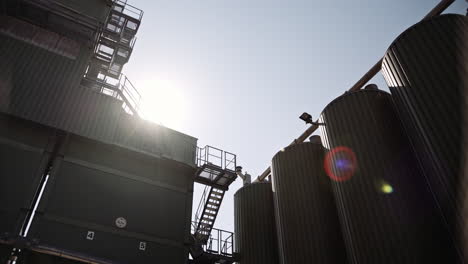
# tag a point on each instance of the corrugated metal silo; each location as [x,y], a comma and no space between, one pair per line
[426,68]
[387,212]
[307,221]
[255,224]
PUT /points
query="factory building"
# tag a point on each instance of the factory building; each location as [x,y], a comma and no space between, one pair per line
[84,179]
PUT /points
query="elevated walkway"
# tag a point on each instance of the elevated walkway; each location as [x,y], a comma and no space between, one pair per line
[216,168]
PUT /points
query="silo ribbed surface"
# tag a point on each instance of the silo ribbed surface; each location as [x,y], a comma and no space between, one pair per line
[426,68]
[386,210]
[307,221]
[254,224]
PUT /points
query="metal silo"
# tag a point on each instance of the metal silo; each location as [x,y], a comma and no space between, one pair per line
[255,224]
[426,68]
[386,210]
[306,216]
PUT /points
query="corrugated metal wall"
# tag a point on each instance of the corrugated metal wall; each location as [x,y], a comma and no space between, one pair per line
[41,86]
[95,184]
[5,252]
[307,221]
[92,8]
[387,211]
[149,137]
[426,69]
[24,153]
[254,224]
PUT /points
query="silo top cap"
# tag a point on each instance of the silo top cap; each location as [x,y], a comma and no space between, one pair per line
[315,139]
[371,86]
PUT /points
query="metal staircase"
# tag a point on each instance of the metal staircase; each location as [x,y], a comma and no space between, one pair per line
[211,201]
[216,170]
[112,50]
[218,249]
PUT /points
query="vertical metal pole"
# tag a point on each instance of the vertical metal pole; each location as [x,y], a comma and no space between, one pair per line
[220,236]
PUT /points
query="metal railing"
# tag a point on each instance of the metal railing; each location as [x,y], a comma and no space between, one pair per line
[220,242]
[129,95]
[121,6]
[201,205]
[120,88]
[215,157]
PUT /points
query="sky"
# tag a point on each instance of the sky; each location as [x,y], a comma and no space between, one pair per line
[236,74]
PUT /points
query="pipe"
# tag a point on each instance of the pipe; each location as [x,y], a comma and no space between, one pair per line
[246,178]
[300,139]
[62,254]
[437,10]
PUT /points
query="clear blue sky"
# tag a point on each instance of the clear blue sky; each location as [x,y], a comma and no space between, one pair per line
[237,74]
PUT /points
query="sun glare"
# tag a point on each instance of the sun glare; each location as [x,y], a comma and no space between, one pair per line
[162,102]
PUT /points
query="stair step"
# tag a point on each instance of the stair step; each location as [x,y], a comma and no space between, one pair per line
[216,198]
[210,214]
[213,203]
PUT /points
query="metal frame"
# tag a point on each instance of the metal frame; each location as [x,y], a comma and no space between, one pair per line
[201,204]
[220,242]
[206,222]
[121,89]
[216,167]
[113,49]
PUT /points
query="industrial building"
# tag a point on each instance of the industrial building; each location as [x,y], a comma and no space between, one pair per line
[84,179]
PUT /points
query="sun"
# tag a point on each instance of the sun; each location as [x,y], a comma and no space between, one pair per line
[163,102]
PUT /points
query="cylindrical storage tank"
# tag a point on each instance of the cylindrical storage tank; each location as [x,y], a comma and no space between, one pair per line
[254,224]
[426,68]
[386,210]
[306,216]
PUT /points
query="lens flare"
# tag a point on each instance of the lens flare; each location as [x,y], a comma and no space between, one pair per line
[340,163]
[386,188]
